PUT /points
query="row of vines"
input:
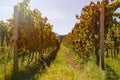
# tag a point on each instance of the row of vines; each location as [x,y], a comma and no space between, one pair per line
[85,36]
[37,43]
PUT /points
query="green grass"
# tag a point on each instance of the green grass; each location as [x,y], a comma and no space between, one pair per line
[25,70]
[112,68]
[6,63]
[59,69]
[88,71]
[93,72]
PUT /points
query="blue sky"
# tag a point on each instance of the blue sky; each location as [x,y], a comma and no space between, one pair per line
[60,13]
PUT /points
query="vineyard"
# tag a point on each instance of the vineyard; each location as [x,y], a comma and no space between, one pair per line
[31,50]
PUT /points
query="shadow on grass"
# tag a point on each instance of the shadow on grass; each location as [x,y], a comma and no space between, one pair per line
[29,72]
[110,74]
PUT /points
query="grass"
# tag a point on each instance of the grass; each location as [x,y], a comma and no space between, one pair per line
[26,70]
[6,63]
[92,72]
[60,69]
[112,68]
[88,71]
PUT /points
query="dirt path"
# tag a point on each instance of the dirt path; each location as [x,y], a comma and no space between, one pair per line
[71,61]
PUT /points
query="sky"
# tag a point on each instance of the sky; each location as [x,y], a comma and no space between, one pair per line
[60,13]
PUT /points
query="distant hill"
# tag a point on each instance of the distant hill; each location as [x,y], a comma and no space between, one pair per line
[61,37]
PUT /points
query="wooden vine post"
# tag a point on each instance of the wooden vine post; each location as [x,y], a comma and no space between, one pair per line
[15,62]
[102,31]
